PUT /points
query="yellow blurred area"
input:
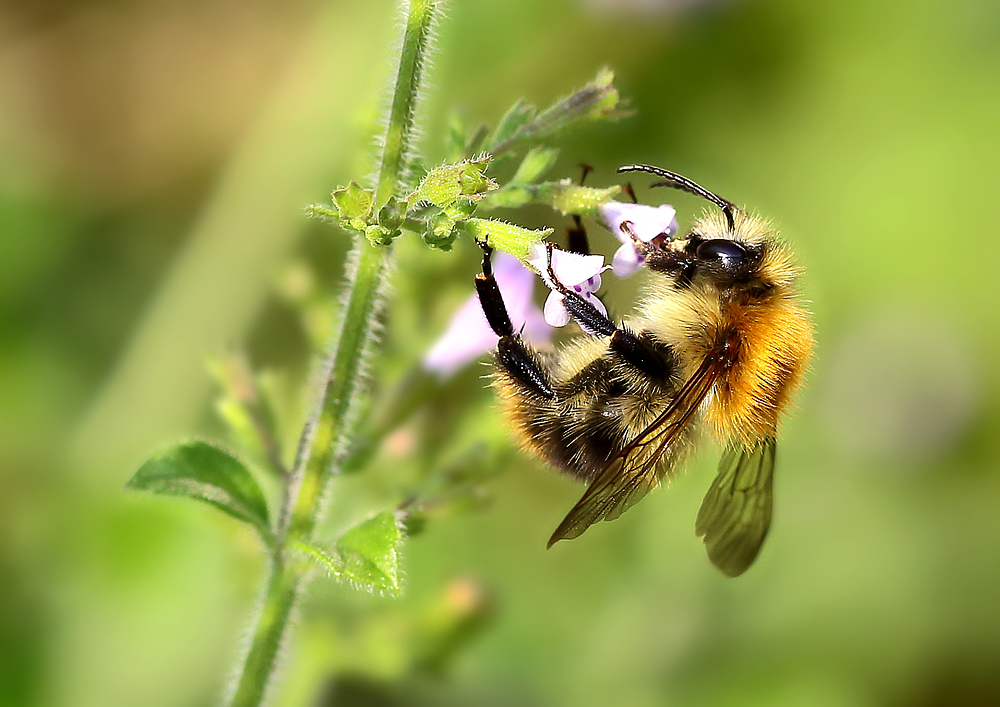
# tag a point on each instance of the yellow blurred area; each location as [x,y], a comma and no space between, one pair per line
[155,160]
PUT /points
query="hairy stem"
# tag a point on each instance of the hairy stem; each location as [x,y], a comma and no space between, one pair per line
[330,429]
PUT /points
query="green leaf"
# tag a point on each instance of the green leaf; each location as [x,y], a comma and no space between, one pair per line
[598,100]
[505,236]
[446,184]
[535,164]
[248,415]
[512,123]
[207,473]
[367,554]
[440,231]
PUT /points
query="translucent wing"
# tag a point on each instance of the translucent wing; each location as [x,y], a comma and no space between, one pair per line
[736,513]
[635,471]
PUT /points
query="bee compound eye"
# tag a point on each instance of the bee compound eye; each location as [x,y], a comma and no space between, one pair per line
[727,253]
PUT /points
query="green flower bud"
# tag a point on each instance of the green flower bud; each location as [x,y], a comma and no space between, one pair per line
[391,215]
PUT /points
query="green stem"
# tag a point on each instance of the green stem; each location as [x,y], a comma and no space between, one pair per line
[331,429]
[267,636]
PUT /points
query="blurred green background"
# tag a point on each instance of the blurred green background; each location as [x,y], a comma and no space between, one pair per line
[154,161]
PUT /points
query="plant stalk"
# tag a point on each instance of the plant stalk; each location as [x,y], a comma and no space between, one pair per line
[330,430]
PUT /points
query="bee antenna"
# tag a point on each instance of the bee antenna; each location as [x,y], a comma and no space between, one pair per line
[676,181]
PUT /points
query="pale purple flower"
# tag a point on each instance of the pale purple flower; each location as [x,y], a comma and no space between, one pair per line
[469,335]
[579,273]
[636,223]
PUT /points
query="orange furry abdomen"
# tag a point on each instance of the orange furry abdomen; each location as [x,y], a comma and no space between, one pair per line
[774,342]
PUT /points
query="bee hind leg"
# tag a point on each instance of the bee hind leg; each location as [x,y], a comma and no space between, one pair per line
[513,356]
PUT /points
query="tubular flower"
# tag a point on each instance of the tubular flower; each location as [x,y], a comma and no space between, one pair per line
[579,273]
[469,335]
[636,223]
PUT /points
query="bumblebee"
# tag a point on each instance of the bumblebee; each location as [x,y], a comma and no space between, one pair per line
[720,342]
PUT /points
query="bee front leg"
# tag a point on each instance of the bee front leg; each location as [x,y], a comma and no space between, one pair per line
[513,355]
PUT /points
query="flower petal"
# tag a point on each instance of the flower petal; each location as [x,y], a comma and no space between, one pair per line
[555,310]
[535,329]
[598,304]
[627,261]
[646,222]
[517,285]
[574,269]
[469,335]
[570,268]
[591,285]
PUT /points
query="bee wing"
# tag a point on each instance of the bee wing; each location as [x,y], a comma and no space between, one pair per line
[635,471]
[736,513]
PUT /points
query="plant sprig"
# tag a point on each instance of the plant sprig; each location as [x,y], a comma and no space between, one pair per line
[440,207]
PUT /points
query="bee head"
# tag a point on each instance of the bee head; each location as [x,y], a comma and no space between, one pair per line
[727,249]
[728,257]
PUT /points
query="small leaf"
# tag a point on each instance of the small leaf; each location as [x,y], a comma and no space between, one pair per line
[505,236]
[331,562]
[598,100]
[460,210]
[370,551]
[512,123]
[240,423]
[204,472]
[367,554]
[446,184]
[249,417]
[534,165]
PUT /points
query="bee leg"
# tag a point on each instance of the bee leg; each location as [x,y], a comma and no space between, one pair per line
[589,317]
[513,356]
[642,352]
